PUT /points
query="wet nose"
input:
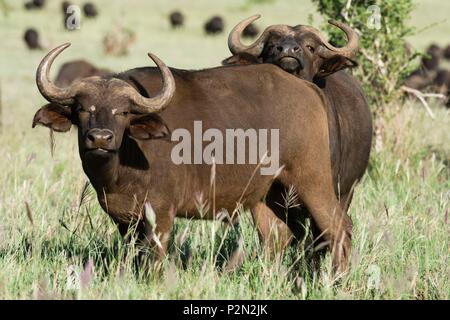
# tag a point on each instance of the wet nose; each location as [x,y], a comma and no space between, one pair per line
[289,47]
[100,138]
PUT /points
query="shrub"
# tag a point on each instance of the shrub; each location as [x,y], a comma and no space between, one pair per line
[385,58]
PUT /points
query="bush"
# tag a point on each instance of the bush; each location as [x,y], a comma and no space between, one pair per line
[385,58]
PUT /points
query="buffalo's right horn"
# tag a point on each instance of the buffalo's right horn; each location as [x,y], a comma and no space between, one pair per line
[161,100]
[50,91]
[327,50]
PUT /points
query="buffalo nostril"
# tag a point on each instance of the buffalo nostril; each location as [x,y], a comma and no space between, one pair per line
[280,48]
[91,137]
[296,49]
[108,137]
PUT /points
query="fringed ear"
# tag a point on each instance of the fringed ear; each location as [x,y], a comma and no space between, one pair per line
[334,64]
[150,126]
[54,116]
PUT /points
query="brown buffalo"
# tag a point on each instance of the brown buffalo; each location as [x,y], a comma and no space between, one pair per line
[250,31]
[31,38]
[214,25]
[78,69]
[446,52]
[125,144]
[34,4]
[90,10]
[442,84]
[424,76]
[303,52]
[176,19]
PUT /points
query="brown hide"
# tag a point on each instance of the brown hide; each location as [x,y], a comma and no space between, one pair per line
[78,69]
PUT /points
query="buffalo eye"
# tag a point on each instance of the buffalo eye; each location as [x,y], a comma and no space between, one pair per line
[310,48]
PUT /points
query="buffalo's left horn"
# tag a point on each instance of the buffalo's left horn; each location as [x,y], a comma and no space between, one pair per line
[51,92]
[234,39]
[162,99]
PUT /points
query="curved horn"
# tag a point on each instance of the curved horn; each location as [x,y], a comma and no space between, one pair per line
[162,99]
[234,38]
[46,87]
[349,50]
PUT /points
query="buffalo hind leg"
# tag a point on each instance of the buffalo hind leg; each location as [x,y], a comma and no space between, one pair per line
[273,232]
[315,189]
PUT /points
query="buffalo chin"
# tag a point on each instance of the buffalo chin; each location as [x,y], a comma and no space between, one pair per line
[289,64]
[98,153]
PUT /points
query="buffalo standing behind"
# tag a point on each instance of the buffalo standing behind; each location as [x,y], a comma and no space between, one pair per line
[215,25]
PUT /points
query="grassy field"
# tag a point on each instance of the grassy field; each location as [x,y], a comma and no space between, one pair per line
[55,241]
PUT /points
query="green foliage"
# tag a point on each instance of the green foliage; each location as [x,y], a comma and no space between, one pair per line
[384,59]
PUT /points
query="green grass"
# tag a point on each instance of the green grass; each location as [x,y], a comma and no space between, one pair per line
[400,210]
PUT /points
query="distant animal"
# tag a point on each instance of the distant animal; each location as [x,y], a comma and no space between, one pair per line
[422,77]
[39,3]
[446,52]
[433,58]
[303,52]
[78,69]
[90,10]
[34,4]
[31,38]
[125,123]
[442,84]
[176,19]
[214,25]
[250,31]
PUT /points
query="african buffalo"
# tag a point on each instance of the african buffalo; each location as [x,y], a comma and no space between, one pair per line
[250,31]
[442,84]
[427,71]
[126,141]
[303,52]
[78,69]
[176,19]
[446,52]
[214,25]
[34,4]
[90,10]
[31,38]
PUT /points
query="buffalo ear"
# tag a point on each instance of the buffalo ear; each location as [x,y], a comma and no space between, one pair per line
[54,116]
[241,59]
[150,126]
[334,64]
